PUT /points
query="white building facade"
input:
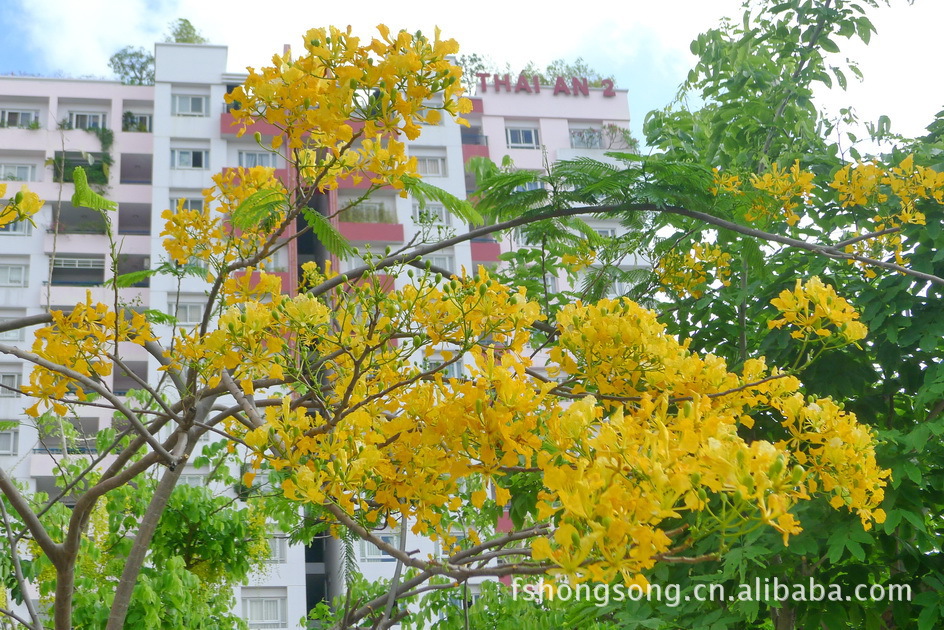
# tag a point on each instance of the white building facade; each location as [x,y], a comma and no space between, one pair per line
[150,146]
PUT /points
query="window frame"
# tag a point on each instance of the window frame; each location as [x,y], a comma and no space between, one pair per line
[17,334]
[17,228]
[586,138]
[423,162]
[187,479]
[281,603]
[178,99]
[16,382]
[177,163]
[446,261]
[437,213]
[173,308]
[372,553]
[5,117]
[148,118]
[89,115]
[14,441]
[535,142]
[529,186]
[188,203]
[30,175]
[8,267]
[278,549]
[268,155]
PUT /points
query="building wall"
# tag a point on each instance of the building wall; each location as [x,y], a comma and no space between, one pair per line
[147,175]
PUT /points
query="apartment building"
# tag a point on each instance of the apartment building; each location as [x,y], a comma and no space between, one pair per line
[147,147]
[536,124]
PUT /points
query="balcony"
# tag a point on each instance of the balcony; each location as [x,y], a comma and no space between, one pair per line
[372,232]
[136,168]
[135,219]
[78,270]
[485,251]
[228,129]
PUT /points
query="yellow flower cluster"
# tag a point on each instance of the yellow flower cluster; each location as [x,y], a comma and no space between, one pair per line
[82,340]
[658,437]
[689,273]
[785,190]
[815,312]
[838,452]
[870,184]
[343,103]
[20,207]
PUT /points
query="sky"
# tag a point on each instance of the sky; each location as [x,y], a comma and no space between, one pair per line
[644,44]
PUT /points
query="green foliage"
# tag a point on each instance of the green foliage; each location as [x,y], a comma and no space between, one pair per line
[85,196]
[259,210]
[503,608]
[183,32]
[329,235]
[424,192]
[133,66]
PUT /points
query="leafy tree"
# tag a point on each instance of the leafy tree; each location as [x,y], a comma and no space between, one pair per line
[622,452]
[752,188]
[183,32]
[133,66]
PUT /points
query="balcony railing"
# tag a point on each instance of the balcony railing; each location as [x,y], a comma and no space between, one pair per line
[475,138]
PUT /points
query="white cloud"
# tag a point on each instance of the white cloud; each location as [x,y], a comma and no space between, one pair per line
[634,39]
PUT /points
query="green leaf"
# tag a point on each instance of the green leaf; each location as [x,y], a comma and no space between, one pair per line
[85,196]
[258,210]
[329,235]
[160,317]
[423,192]
[130,279]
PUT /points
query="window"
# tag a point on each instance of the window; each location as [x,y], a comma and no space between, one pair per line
[265,607]
[189,158]
[529,186]
[17,172]
[367,212]
[453,370]
[9,384]
[196,480]
[189,105]
[278,549]
[187,312]
[135,122]
[445,261]
[370,553]
[17,334]
[9,441]
[249,159]
[18,117]
[13,275]
[606,232]
[16,227]
[190,203]
[87,120]
[78,270]
[588,138]
[431,166]
[432,213]
[522,138]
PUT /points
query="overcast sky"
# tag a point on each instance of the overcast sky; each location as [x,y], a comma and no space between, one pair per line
[643,43]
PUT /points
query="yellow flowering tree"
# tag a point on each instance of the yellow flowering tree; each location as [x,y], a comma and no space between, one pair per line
[637,450]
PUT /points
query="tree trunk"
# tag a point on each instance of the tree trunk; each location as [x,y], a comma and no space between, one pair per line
[142,542]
